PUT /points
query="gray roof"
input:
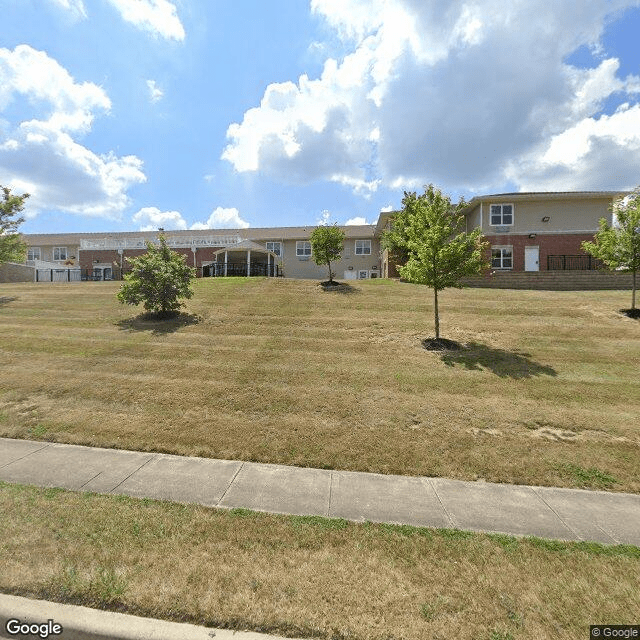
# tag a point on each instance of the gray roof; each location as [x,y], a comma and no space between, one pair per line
[544,195]
[251,233]
[244,246]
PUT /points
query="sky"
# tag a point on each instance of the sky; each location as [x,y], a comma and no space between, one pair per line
[125,115]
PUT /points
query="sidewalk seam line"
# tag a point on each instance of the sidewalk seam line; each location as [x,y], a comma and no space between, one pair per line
[26,455]
[153,457]
[557,515]
[330,493]
[235,475]
[606,533]
[88,481]
[446,513]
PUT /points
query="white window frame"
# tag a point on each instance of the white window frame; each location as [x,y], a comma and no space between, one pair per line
[275,247]
[303,248]
[60,251]
[503,258]
[33,253]
[502,214]
[363,247]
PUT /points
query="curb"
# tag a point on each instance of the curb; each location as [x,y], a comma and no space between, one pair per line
[82,623]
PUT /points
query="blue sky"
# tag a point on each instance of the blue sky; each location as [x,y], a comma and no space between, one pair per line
[133,114]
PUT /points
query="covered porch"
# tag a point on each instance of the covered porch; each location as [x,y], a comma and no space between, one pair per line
[246,258]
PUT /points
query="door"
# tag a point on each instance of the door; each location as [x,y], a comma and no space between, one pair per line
[532,258]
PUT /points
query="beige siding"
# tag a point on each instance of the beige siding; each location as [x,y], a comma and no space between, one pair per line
[473,219]
[296,267]
[579,215]
[46,252]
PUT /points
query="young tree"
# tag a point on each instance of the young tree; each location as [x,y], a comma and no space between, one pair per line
[12,248]
[429,229]
[618,246]
[326,245]
[159,279]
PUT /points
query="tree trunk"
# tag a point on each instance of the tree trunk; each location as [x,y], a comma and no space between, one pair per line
[435,311]
[633,291]
[330,274]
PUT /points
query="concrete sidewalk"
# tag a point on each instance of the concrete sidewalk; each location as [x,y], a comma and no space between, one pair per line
[564,514]
[81,623]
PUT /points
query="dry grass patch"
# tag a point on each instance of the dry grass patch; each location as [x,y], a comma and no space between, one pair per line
[545,392]
[305,576]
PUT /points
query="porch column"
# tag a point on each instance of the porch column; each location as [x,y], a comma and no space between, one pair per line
[268,264]
[225,264]
[248,262]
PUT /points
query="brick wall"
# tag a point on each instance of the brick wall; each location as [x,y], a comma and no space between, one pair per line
[554,245]
[110,256]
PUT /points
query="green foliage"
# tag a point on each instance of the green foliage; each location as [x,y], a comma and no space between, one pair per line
[12,248]
[618,246]
[326,245]
[430,231]
[159,280]
[590,477]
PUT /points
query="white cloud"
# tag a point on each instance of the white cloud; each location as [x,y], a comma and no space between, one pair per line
[450,92]
[388,208]
[155,93]
[76,7]
[151,218]
[315,129]
[223,218]
[44,151]
[158,17]
[595,153]
[324,219]
[357,221]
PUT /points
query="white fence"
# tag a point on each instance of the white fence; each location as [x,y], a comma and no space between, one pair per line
[58,275]
[176,241]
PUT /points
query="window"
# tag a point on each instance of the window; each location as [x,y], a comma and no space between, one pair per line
[276,247]
[363,247]
[501,214]
[501,257]
[33,253]
[59,253]
[303,248]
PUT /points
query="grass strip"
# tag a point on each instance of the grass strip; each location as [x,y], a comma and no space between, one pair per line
[306,576]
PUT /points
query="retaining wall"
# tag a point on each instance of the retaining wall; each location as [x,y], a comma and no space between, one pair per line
[554,280]
[13,272]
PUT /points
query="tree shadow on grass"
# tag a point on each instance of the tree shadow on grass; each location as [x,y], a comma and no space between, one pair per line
[338,287]
[158,326]
[6,300]
[505,364]
[634,314]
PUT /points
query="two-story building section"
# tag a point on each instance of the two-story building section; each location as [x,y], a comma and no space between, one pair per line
[540,231]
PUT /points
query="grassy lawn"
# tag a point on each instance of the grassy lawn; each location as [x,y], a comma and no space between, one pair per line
[310,577]
[547,393]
